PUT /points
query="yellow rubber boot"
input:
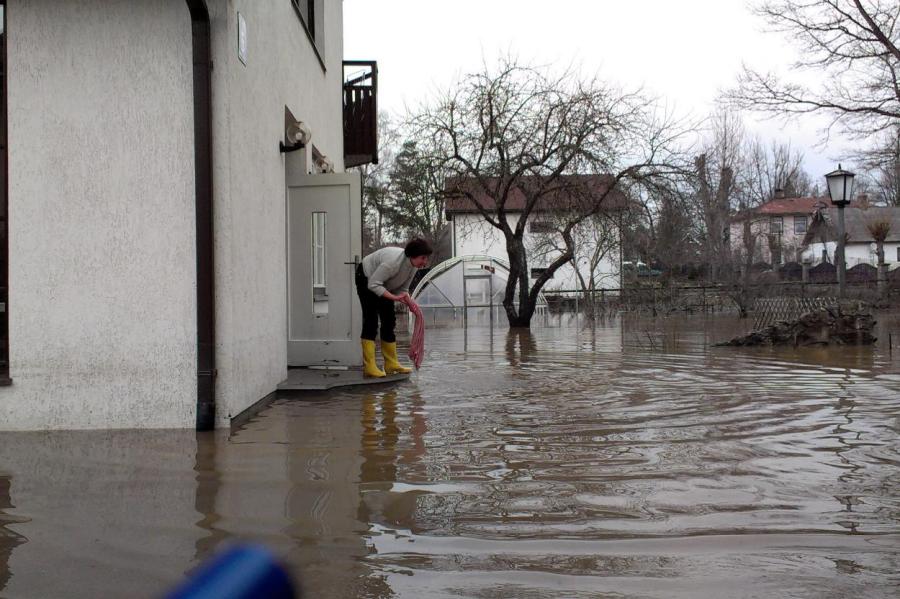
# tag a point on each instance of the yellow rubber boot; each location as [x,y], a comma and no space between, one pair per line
[370,369]
[391,364]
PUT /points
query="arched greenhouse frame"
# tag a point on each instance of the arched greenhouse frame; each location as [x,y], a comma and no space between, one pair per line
[467,291]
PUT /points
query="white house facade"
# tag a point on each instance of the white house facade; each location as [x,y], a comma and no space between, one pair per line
[152,214]
[776,229]
[597,262]
[860,247]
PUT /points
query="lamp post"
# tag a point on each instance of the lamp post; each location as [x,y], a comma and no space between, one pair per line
[840,188]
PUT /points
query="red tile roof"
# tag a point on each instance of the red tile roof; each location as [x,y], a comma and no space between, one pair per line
[572,191]
[792,206]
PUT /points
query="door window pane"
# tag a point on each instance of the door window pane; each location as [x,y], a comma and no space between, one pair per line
[318,249]
[319,270]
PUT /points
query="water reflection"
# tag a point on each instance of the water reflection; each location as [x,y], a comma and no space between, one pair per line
[9,539]
[209,484]
[520,346]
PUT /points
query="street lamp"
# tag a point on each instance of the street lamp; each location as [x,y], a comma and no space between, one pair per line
[840,188]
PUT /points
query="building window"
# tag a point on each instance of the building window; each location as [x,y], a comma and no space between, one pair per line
[311,13]
[541,226]
[4,193]
[799,225]
[536,272]
[898,254]
[776,225]
[307,11]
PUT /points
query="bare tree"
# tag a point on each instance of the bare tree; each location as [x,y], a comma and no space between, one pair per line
[764,171]
[375,184]
[666,230]
[880,229]
[519,132]
[853,47]
[713,200]
[768,168]
[715,187]
[595,260]
[734,175]
[882,164]
[752,226]
[416,193]
[598,240]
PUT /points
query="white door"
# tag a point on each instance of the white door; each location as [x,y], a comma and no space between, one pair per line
[324,240]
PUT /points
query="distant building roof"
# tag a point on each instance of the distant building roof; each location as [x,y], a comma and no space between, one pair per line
[572,191]
[856,221]
[788,206]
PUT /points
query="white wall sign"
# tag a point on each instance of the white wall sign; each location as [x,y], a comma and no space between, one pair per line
[242,38]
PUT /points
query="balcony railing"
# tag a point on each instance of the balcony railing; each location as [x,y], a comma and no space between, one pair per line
[360,112]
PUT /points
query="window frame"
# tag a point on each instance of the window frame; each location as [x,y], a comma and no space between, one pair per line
[541,227]
[314,27]
[798,220]
[772,225]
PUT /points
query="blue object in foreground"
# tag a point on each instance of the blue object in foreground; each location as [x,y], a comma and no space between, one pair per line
[241,572]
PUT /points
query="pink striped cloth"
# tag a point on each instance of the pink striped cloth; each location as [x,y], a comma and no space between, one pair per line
[417,342]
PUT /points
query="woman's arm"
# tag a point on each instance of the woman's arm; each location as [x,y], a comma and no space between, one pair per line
[396,297]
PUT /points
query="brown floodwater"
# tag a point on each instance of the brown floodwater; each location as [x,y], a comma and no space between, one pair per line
[629,459]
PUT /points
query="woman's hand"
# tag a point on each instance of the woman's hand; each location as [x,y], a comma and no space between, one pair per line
[398,297]
[409,301]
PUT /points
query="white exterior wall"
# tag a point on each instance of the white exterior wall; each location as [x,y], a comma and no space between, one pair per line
[472,235]
[102,325]
[790,241]
[102,241]
[249,183]
[856,253]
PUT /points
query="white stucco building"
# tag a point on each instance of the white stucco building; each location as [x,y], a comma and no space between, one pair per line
[165,260]
[860,248]
[597,238]
[776,229]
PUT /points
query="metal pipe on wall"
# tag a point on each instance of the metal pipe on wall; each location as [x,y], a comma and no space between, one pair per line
[206,326]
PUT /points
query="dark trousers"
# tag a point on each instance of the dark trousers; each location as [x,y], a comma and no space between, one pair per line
[374,308]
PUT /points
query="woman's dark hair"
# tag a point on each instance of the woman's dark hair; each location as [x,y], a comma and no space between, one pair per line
[417,247]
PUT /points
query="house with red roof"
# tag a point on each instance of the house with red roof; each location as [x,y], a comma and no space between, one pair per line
[774,232]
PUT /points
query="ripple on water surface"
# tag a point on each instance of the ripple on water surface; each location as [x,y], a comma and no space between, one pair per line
[625,460]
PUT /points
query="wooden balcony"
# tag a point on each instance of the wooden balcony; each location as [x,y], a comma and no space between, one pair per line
[360,112]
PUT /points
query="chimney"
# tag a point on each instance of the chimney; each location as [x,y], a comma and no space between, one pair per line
[779,194]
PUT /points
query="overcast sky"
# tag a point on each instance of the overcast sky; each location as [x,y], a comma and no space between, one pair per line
[685,51]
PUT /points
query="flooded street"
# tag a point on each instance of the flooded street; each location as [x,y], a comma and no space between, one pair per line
[628,460]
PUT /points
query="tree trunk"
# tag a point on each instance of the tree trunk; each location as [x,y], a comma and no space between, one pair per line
[517,285]
[882,270]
